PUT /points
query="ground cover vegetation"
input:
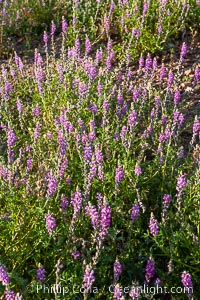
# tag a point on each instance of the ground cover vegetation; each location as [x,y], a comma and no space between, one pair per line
[99,165]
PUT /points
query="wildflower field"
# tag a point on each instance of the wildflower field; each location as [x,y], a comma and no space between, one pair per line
[99,150]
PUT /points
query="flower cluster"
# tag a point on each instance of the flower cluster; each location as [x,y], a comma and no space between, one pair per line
[52,186]
[150,270]
[135,211]
[50,223]
[89,278]
[4,276]
[119,174]
[117,269]
[41,274]
[186,279]
[105,220]
[153,226]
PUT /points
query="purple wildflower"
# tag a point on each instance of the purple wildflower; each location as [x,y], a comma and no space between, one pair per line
[141,62]
[148,63]
[11,155]
[89,278]
[117,269]
[9,295]
[74,22]
[20,65]
[68,181]
[52,186]
[92,212]
[157,102]
[170,79]
[29,164]
[120,76]
[45,37]
[64,203]
[118,292]
[98,155]
[37,59]
[178,118]
[64,25]
[84,140]
[87,153]
[159,29]
[93,170]
[136,94]
[16,59]
[177,97]
[163,120]
[130,74]
[186,279]
[132,119]
[59,68]
[123,132]
[167,200]
[75,254]
[153,226]
[196,75]
[77,45]
[150,270]
[76,201]
[92,72]
[135,212]
[155,64]
[112,7]
[181,153]
[11,138]
[119,174]
[119,98]
[181,183]
[93,108]
[39,74]
[106,23]
[145,8]
[63,167]
[196,125]
[53,28]
[62,143]
[99,89]
[8,87]
[167,134]
[136,32]
[138,170]
[105,220]
[157,281]
[162,73]
[49,135]
[19,106]
[183,51]
[124,109]
[153,113]
[36,111]
[12,73]
[4,276]
[106,106]
[135,293]
[40,274]
[88,46]
[4,172]
[108,63]
[99,55]
[50,223]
